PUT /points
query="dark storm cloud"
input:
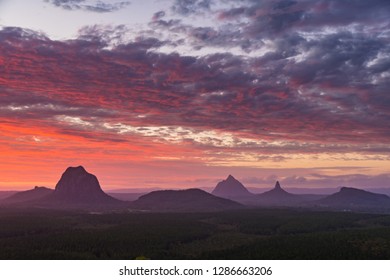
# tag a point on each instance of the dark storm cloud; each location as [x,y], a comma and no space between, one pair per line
[95,6]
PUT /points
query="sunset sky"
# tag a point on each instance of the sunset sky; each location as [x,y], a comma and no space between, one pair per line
[182,93]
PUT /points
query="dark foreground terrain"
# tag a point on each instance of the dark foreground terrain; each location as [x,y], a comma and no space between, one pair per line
[239,234]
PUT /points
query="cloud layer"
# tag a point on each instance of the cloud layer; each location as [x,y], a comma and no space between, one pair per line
[89,6]
[269,81]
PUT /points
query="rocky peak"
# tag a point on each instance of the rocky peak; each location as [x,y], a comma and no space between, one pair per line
[77,185]
[277,186]
[230,187]
[230,178]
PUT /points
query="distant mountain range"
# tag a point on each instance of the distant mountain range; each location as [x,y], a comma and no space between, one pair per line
[232,189]
[78,189]
[345,199]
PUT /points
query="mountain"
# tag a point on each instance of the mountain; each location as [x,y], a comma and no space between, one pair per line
[29,195]
[232,189]
[355,199]
[190,200]
[279,197]
[78,187]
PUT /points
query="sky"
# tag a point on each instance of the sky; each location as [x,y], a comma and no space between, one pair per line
[182,93]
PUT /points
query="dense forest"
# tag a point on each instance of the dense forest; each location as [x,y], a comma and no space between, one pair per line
[239,234]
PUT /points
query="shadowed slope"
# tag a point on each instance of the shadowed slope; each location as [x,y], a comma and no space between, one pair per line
[29,195]
[6,194]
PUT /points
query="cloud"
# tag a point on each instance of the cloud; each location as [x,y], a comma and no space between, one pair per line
[90,6]
[273,82]
[349,180]
[316,180]
[158,15]
[264,98]
[207,84]
[275,17]
[187,7]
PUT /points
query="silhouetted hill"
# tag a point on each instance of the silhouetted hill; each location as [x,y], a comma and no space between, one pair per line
[191,200]
[29,195]
[279,197]
[355,199]
[79,189]
[232,189]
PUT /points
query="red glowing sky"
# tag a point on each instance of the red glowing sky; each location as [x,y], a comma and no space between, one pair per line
[294,91]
